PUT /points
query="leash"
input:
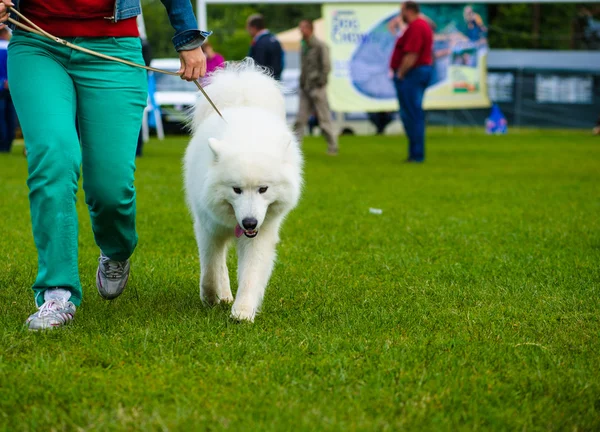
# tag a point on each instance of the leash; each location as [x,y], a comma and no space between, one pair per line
[33,28]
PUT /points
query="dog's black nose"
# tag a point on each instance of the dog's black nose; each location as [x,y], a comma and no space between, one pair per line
[249,223]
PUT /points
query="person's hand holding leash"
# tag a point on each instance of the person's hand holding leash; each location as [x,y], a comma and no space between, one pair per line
[193,64]
[4,5]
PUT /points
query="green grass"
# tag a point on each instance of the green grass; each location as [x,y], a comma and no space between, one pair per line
[472,302]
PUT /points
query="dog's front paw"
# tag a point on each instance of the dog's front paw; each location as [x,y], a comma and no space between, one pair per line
[225,295]
[243,312]
[212,298]
[209,296]
[226,298]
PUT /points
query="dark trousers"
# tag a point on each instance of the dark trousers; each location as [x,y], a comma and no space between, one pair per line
[8,121]
[140,145]
[380,120]
[410,91]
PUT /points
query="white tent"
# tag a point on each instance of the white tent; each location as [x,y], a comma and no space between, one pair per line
[290,39]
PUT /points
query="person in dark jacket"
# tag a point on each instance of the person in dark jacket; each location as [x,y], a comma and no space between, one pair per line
[265,49]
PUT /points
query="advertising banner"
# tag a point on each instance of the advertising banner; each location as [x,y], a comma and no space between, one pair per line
[361,38]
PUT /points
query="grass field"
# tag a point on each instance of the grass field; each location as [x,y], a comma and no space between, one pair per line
[472,302]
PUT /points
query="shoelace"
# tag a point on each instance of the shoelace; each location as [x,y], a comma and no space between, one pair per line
[50,307]
[112,269]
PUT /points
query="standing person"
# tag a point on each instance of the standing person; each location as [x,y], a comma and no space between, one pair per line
[315,68]
[8,116]
[411,69]
[265,49]
[108,99]
[214,60]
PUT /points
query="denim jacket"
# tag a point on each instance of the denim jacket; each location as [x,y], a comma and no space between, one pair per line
[187,36]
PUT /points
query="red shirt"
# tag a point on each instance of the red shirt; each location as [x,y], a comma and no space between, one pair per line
[417,38]
[78,18]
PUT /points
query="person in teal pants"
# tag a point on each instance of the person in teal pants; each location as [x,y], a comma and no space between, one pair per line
[53,87]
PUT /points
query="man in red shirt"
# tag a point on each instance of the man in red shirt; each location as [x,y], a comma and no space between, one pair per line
[411,68]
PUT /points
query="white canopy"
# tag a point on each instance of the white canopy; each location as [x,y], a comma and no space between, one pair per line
[290,39]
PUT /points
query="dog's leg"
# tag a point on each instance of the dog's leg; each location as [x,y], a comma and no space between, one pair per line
[225,295]
[214,278]
[255,264]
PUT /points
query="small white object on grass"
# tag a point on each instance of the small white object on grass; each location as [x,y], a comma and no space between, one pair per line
[375,211]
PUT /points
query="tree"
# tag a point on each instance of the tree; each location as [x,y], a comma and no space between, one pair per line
[515,26]
[511,26]
[228,23]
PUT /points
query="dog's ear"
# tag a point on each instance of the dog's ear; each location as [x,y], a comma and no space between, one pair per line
[216,147]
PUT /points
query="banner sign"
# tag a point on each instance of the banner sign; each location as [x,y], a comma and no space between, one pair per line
[361,38]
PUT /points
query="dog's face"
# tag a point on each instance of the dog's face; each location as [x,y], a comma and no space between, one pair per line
[250,203]
[249,186]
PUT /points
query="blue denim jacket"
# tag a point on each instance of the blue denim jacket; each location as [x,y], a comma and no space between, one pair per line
[181,15]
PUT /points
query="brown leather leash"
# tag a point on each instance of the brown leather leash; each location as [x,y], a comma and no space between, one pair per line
[33,28]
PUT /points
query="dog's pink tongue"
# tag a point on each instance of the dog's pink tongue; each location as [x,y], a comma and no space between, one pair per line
[238,231]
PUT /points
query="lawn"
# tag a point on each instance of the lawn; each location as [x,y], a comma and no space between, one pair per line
[471,302]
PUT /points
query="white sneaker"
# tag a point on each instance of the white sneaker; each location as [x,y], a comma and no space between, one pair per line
[56,311]
[111,277]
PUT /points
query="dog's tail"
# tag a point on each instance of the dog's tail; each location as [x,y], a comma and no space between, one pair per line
[240,84]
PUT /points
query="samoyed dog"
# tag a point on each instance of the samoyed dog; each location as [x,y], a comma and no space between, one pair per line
[243,175]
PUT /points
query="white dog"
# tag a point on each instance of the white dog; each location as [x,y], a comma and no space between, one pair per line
[242,177]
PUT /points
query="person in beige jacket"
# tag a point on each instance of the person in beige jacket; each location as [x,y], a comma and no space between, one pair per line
[315,67]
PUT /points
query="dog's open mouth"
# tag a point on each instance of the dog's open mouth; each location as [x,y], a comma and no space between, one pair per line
[248,233]
[251,233]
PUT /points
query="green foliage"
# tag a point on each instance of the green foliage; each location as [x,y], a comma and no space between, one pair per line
[510,25]
[471,303]
[513,23]
[158,29]
[228,22]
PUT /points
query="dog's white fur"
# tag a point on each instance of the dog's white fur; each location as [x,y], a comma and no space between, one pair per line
[253,149]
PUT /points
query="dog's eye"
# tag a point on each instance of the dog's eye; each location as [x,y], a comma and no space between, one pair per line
[237,190]
[263,189]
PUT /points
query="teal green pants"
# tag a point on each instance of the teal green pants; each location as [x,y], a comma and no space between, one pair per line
[78,111]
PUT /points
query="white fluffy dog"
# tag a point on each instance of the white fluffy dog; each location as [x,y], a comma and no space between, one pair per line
[242,177]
